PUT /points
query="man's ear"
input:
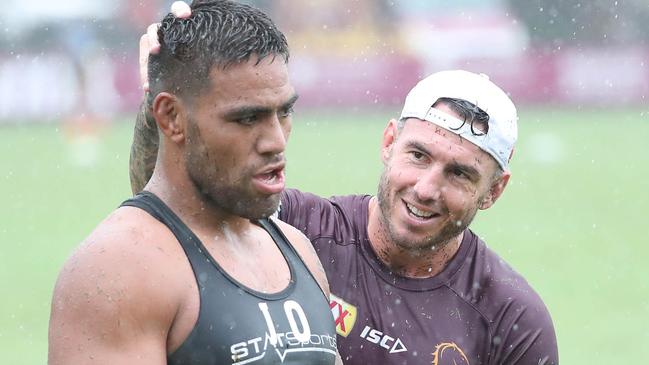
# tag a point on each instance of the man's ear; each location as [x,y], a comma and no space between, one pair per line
[389,137]
[169,113]
[495,191]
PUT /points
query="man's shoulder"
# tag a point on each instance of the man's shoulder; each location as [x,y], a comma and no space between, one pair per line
[340,218]
[498,278]
[495,288]
[127,229]
[514,311]
[293,199]
[352,202]
[125,283]
[292,196]
[122,260]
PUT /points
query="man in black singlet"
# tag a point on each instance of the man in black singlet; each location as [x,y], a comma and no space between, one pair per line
[192,270]
[410,282]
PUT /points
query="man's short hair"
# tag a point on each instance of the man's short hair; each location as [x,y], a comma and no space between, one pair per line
[468,112]
[219,33]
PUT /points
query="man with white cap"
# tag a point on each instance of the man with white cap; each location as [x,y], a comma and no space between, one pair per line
[410,282]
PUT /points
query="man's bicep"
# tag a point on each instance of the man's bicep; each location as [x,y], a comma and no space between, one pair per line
[95,317]
[144,149]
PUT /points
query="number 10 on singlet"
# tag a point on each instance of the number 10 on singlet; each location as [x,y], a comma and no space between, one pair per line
[292,309]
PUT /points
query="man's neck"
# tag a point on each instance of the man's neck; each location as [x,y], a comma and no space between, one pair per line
[408,262]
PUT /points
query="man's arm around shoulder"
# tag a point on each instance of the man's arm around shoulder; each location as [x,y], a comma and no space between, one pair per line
[144,149]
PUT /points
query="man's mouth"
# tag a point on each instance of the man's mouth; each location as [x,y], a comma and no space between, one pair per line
[270,181]
[271,177]
[419,213]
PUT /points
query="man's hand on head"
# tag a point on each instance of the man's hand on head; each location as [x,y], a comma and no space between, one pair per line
[144,149]
[149,43]
[181,10]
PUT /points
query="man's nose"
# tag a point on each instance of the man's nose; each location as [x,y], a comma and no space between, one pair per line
[430,185]
[274,137]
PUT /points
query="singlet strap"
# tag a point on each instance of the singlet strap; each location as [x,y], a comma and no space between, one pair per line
[153,205]
[278,236]
[198,255]
[289,251]
[147,202]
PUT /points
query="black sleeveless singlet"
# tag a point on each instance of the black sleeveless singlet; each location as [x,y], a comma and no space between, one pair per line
[238,325]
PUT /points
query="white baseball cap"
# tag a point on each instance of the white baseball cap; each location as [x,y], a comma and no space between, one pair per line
[478,90]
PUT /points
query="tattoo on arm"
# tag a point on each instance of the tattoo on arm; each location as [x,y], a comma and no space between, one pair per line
[144,149]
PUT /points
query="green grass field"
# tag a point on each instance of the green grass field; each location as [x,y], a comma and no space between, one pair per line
[571,219]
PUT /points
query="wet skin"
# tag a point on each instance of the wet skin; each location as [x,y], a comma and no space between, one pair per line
[433,184]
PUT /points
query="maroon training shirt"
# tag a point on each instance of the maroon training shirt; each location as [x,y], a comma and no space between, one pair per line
[477,311]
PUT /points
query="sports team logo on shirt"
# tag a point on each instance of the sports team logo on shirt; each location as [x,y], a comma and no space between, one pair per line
[448,353]
[344,315]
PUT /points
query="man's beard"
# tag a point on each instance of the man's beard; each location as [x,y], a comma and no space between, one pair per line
[211,183]
[235,200]
[433,242]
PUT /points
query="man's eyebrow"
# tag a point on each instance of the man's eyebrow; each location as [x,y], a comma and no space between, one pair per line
[246,111]
[290,102]
[467,169]
[253,110]
[418,146]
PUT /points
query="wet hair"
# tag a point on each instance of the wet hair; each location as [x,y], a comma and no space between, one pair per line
[219,33]
[469,113]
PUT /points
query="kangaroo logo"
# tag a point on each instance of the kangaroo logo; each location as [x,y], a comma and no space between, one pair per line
[448,353]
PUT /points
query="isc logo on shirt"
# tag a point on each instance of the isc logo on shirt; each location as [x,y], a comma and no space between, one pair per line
[344,315]
[392,344]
